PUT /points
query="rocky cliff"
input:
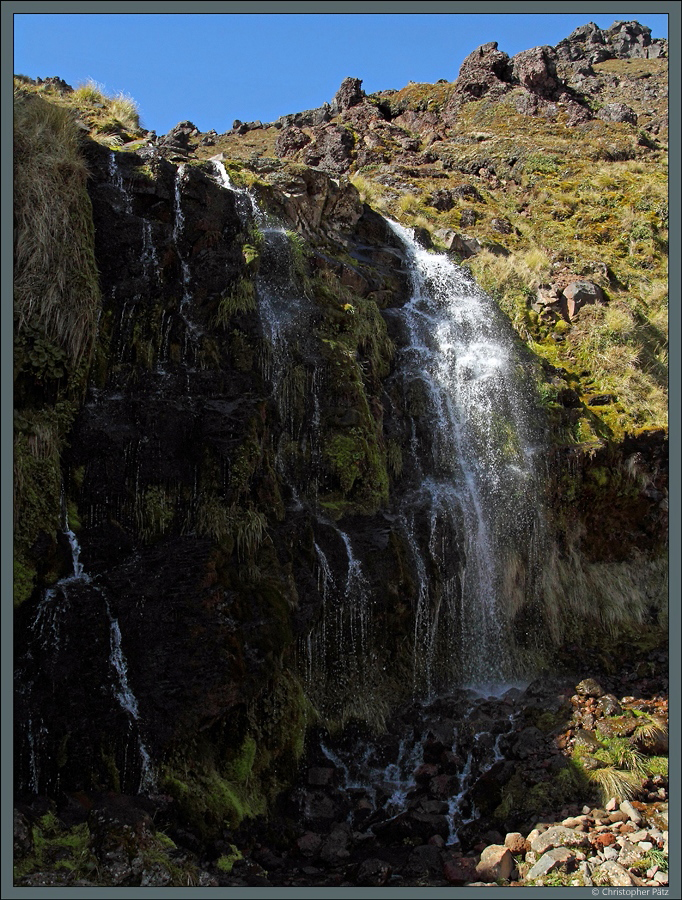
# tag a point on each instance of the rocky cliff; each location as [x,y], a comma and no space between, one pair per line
[228,544]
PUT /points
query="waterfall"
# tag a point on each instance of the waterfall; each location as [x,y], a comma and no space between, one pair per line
[178,227]
[116,178]
[471,509]
[46,629]
[127,699]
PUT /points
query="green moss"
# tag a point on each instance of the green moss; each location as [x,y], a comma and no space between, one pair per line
[242,765]
[59,849]
[227,861]
[24,581]
[569,785]
[344,454]
[657,765]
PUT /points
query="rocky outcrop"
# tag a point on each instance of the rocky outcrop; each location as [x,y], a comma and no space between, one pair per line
[535,70]
[349,94]
[623,40]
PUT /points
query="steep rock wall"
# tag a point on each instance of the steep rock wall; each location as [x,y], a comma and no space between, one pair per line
[186,464]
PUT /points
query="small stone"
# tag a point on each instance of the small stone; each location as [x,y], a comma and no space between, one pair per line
[612,805]
[610,853]
[630,812]
[612,873]
[661,877]
[588,687]
[553,859]
[637,836]
[516,843]
[645,845]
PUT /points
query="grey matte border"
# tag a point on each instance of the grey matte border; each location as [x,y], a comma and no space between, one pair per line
[398,7]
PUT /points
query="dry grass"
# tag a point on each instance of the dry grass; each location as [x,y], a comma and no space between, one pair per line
[55,276]
[576,594]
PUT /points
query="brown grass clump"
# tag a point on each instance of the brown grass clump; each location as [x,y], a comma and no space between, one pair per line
[55,276]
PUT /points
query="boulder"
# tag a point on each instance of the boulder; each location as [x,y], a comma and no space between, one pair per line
[558,836]
[530,742]
[535,70]
[460,870]
[558,858]
[516,843]
[467,191]
[332,149]
[309,844]
[620,726]
[585,740]
[482,70]
[178,138]
[373,873]
[496,864]
[503,226]
[335,848]
[617,112]
[579,294]
[607,705]
[463,245]
[442,200]
[290,141]
[630,811]
[612,873]
[426,860]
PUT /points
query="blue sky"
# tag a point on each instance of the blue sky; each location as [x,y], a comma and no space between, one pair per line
[215,68]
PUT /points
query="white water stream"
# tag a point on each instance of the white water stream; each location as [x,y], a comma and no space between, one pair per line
[46,627]
[471,510]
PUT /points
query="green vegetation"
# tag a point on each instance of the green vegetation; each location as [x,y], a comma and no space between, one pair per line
[57,848]
[618,766]
[241,299]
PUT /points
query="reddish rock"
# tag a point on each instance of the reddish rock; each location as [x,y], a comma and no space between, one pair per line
[603,840]
[535,70]
[516,843]
[460,870]
[309,843]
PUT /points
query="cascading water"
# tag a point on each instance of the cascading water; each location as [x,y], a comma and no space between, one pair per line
[127,700]
[337,650]
[472,507]
[116,178]
[46,629]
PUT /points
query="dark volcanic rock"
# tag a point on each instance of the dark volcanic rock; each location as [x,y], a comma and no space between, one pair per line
[290,140]
[535,70]
[349,94]
[332,149]
[485,69]
[617,112]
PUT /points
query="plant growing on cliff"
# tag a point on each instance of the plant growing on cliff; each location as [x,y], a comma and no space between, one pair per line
[56,285]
